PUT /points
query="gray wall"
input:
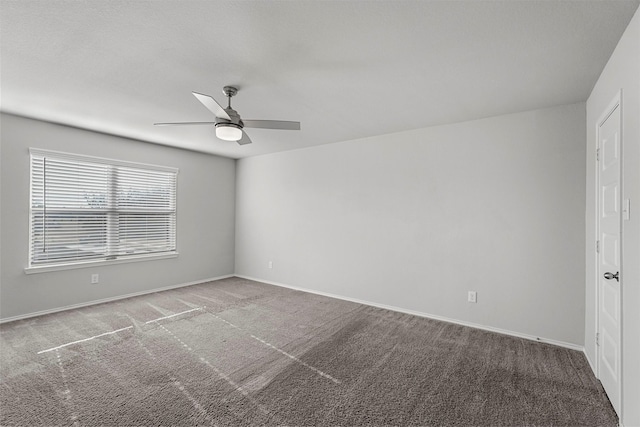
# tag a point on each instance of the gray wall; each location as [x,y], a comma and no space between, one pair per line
[206,210]
[416,219]
[622,72]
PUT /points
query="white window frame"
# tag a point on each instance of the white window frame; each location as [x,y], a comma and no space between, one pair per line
[107,260]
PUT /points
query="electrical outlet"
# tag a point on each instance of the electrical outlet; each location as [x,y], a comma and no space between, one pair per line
[471,296]
[270,264]
[95,279]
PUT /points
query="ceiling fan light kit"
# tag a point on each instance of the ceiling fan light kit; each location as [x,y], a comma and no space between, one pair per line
[228,131]
[229,125]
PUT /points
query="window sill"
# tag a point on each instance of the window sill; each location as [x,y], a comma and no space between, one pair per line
[87,264]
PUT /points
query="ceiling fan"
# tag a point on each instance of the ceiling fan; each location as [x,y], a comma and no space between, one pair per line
[229,125]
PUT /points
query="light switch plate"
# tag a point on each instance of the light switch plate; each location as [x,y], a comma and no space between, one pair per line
[471,296]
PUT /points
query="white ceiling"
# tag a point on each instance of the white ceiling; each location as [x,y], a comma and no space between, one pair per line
[344,69]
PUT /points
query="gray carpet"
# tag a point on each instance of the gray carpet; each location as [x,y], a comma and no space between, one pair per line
[237,352]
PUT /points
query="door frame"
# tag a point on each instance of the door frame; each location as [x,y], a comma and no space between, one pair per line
[616,102]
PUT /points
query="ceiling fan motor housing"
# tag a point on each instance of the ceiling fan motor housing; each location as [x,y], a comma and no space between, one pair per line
[233,115]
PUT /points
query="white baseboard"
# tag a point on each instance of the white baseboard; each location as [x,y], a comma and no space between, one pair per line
[100,301]
[426,315]
[591,364]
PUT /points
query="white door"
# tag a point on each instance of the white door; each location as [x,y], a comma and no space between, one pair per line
[609,279]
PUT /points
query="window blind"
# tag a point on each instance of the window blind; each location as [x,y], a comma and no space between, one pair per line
[91,209]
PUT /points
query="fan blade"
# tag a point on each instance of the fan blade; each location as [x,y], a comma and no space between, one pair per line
[212,105]
[185,123]
[245,139]
[271,124]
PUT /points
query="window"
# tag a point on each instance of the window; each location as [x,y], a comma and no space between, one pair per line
[88,209]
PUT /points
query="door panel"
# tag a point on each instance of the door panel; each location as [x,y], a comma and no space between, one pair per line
[609,148]
[609,354]
[610,304]
[609,257]
[610,245]
[610,200]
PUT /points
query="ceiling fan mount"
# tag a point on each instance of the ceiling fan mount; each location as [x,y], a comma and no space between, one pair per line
[228,124]
[229,91]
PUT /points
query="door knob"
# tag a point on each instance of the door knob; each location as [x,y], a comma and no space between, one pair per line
[610,276]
